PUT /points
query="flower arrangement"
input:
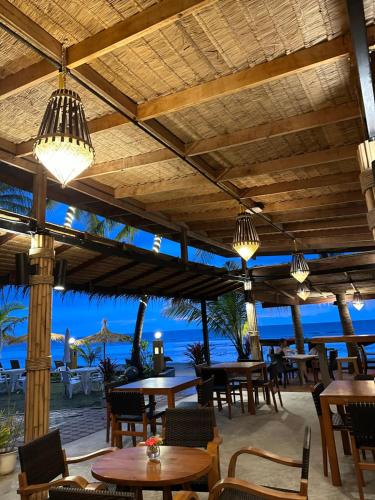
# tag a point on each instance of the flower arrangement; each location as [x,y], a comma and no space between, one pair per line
[153,450]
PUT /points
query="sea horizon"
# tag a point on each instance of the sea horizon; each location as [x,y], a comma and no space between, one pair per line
[176,341]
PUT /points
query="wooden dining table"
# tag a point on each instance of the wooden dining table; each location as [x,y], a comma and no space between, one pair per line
[161,386]
[246,368]
[130,467]
[340,393]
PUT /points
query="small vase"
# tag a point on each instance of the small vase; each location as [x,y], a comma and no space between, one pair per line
[153,453]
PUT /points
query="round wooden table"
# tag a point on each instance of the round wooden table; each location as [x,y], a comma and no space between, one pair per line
[130,467]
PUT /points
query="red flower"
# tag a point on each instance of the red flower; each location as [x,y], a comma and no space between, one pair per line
[153,441]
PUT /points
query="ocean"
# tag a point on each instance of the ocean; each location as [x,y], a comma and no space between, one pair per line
[175,342]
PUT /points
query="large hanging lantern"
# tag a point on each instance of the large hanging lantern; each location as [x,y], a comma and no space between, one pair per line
[303,291]
[246,240]
[358,301]
[299,268]
[63,144]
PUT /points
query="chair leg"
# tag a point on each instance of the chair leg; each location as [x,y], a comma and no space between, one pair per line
[219,405]
[134,439]
[358,471]
[345,443]
[279,393]
[229,402]
[339,370]
[273,397]
[324,450]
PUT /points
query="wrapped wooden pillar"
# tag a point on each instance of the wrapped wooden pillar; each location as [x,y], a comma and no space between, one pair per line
[38,360]
[366,156]
[298,331]
[256,350]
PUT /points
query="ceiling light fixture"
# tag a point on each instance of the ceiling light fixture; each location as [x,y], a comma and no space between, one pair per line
[358,301]
[303,291]
[299,268]
[63,144]
[246,240]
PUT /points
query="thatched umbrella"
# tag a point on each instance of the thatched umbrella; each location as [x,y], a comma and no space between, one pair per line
[105,337]
[13,339]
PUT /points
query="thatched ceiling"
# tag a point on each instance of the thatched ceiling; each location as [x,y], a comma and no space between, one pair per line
[198,103]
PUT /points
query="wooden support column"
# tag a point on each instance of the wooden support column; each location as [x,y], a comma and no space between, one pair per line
[206,341]
[256,349]
[184,247]
[298,331]
[39,196]
[366,159]
[346,320]
[38,360]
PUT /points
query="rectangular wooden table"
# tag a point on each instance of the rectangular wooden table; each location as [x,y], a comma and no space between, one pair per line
[161,386]
[301,359]
[246,368]
[342,392]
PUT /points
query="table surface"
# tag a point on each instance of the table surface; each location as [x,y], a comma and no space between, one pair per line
[159,383]
[349,339]
[301,356]
[14,370]
[130,466]
[85,369]
[245,365]
[350,389]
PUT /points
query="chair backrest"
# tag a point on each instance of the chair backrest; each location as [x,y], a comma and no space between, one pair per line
[306,454]
[205,392]
[192,427]
[126,403]
[81,494]
[332,359]
[42,460]
[273,370]
[279,360]
[316,392]
[15,364]
[362,359]
[65,377]
[58,364]
[1,366]
[362,418]
[220,376]
[198,369]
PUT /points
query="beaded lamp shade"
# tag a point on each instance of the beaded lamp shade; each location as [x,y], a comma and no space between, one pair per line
[246,240]
[358,301]
[63,144]
[303,291]
[299,268]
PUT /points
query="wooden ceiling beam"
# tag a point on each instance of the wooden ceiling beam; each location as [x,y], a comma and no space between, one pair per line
[141,160]
[293,124]
[360,231]
[147,21]
[304,215]
[323,53]
[84,265]
[292,163]
[114,272]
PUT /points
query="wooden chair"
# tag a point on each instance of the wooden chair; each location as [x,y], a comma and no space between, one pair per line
[232,488]
[130,408]
[224,388]
[285,369]
[362,418]
[66,493]
[108,386]
[358,362]
[339,423]
[195,428]
[272,384]
[15,364]
[43,460]
[205,395]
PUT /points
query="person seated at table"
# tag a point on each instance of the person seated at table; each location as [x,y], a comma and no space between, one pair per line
[313,350]
[283,347]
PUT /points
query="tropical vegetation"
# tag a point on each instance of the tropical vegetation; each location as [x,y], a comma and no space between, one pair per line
[11,429]
[88,352]
[8,320]
[196,353]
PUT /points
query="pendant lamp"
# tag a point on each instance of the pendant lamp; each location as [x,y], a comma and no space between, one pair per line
[246,240]
[358,301]
[303,291]
[63,144]
[299,268]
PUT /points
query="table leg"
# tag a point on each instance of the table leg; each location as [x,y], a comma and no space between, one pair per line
[323,362]
[250,395]
[171,402]
[167,493]
[330,440]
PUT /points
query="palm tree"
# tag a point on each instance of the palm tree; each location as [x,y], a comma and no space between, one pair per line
[14,199]
[226,316]
[7,321]
[136,357]
[100,226]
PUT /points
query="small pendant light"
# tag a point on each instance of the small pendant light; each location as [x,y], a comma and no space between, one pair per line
[63,144]
[303,291]
[358,301]
[299,268]
[246,240]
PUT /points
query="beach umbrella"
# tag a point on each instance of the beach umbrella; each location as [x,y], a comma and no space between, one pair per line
[66,358]
[105,336]
[13,339]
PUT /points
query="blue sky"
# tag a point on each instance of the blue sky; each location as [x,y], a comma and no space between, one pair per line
[83,316]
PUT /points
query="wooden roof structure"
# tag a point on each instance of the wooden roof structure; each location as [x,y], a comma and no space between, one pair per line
[105,268]
[193,106]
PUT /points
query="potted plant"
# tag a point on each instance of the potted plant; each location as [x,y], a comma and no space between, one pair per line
[10,430]
[196,353]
